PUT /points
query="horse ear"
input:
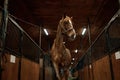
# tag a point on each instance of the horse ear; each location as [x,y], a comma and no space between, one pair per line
[71,18]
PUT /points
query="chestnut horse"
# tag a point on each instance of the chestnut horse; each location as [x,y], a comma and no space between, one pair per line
[60,55]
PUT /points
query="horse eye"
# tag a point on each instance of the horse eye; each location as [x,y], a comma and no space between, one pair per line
[65,28]
[66,22]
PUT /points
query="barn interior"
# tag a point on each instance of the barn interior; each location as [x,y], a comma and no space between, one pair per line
[25,47]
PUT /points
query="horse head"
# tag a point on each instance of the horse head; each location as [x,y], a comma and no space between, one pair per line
[67,27]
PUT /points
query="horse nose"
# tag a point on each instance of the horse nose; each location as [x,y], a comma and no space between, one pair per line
[73,36]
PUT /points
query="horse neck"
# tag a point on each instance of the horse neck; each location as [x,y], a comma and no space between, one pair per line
[59,36]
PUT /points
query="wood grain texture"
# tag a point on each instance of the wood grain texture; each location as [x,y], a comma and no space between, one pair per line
[116,67]
[101,69]
[10,69]
[29,70]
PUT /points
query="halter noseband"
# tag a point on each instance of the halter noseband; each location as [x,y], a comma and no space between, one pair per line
[65,31]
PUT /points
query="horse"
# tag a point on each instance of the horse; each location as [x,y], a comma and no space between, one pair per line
[60,55]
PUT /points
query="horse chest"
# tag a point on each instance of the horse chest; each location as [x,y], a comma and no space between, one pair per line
[66,58]
[59,54]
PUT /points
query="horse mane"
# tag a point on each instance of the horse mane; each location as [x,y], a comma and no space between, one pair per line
[58,35]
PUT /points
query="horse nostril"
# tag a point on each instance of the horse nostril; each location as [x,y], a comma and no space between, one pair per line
[73,36]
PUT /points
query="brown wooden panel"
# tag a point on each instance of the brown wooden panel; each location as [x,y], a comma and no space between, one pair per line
[48,73]
[116,67]
[86,73]
[10,69]
[81,74]
[29,70]
[101,69]
[91,72]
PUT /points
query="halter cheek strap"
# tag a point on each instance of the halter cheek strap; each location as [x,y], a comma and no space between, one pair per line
[61,24]
[67,30]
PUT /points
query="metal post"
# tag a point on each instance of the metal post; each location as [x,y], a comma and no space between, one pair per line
[90,53]
[43,67]
[40,58]
[20,51]
[109,47]
[4,29]
[4,23]
[40,36]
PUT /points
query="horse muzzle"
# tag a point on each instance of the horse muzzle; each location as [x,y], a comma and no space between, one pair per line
[72,35]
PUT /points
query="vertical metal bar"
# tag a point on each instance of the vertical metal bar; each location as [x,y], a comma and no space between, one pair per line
[109,47]
[4,23]
[43,67]
[39,55]
[4,29]
[89,35]
[90,53]
[40,37]
[40,59]
[0,68]
[20,51]
[111,67]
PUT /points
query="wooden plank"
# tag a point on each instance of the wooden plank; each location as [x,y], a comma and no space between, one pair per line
[29,70]
[101,69]
[10,69]
[116,67]
[84,74]
[81,74]
[48,73]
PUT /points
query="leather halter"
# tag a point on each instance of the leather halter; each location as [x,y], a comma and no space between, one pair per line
[65,31]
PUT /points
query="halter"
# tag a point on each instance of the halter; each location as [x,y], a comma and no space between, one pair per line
[65,31]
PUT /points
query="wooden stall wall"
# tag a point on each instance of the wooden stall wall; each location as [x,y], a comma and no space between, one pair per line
[29,70]
[116,67]
[85,73]
[81,74]
[101,69]
[10,71]
[48,73]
